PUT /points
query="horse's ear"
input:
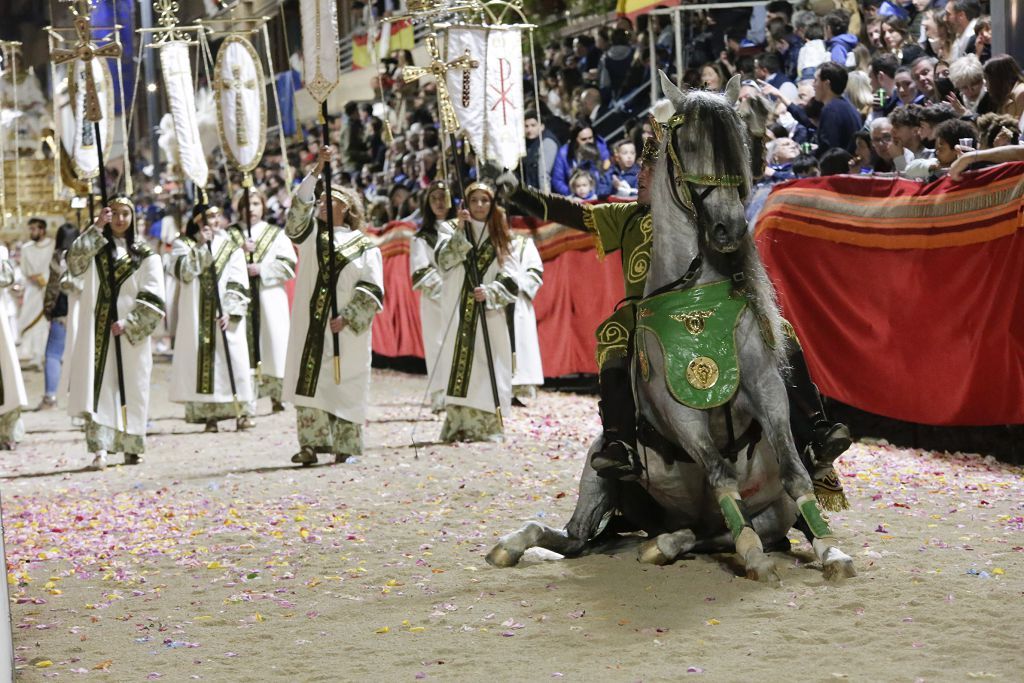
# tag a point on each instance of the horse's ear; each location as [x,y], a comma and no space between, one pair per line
[674,94]
[732,90]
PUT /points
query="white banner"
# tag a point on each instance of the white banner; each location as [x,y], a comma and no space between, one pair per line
[241,102]
[80,133]
[320,56]
[488,99]
[181,97]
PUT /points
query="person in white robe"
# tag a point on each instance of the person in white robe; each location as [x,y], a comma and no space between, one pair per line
[331,394]
[112,423]
[270,261]
[33,328]
[482,231]
[208,261]
[427,280]
[12,389]
[529,371]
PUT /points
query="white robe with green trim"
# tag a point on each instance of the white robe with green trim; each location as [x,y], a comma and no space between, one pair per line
[277,266]
[359,292]
[140,302]
[187,259]
[529,369]
[10,371]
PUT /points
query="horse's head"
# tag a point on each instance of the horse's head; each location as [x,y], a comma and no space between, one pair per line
[706,161]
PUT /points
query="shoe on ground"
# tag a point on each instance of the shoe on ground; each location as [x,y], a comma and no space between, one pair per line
[132,458]
[276,406]
[340,458]
[831,441]
[211,427]
[48,403]
[617,460]
[244,423]
[99,462]
[517,403]
[305,457]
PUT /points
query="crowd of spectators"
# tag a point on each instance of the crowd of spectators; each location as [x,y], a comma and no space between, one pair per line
[854,86]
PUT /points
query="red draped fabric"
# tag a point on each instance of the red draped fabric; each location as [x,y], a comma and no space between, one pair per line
[396,329]
[908,298]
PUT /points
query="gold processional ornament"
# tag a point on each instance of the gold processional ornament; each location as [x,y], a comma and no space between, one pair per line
[438,68]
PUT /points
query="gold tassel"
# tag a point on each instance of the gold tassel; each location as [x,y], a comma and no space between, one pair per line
[337,370]
[829,491]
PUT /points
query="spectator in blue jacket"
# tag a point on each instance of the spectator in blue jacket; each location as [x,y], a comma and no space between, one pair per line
[580,151]
[625,172]
[838,40]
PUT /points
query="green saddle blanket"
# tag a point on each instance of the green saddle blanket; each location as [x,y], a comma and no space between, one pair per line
[696,331]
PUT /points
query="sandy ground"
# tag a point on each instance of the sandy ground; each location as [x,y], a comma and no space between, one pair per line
[217,560]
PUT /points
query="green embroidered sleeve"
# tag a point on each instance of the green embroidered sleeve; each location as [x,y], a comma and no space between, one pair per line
[144,318]
[235,301]
[606,221]
[6,274]
[69,284]
[366,301]
[276,271]
[428,282]
[299,222]
[83,249]
[189,259]
[452,251]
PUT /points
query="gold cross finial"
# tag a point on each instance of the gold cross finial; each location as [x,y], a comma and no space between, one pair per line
[439,68]
[85,51]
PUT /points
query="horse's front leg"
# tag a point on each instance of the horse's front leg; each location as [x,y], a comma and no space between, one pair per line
[690,429]
[596,501]
[764,390]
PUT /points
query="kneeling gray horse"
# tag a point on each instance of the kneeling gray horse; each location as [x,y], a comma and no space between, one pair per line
[708,354]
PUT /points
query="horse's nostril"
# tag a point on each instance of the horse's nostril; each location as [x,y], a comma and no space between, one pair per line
[720,232]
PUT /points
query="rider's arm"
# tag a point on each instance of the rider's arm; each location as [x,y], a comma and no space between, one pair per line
[604,221]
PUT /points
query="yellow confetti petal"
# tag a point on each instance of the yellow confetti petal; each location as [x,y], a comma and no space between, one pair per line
[999,571]
[213,565]
[43,664]
[712,622]
[417,629]
[382,629]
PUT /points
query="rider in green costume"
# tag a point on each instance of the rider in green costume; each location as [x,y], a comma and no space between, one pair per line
[627,227]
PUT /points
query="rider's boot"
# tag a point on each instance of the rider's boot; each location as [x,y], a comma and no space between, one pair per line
[819,440]
[617,459]
[811,426]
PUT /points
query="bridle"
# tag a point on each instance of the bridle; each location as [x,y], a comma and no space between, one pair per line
[689,190]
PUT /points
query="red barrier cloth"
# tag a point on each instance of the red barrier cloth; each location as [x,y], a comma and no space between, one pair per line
[908,298]
[396,329]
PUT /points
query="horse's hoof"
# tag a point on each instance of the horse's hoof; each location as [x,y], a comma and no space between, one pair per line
[650,553]
[837,565]
[501,557]
[761,568]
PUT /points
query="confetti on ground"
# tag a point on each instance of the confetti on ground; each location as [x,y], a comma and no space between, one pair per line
[217,556]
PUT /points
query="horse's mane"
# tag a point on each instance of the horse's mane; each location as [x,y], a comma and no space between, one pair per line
[714,138]
[715,143]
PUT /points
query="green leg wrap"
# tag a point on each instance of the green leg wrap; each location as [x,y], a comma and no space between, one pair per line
[812,515]
[735,516]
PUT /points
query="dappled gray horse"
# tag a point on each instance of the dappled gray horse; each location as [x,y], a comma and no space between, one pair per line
[709,347]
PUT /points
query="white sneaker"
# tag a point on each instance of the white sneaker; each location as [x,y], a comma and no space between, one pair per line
[99,462]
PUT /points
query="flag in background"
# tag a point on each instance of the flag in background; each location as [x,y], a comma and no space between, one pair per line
[391,38]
